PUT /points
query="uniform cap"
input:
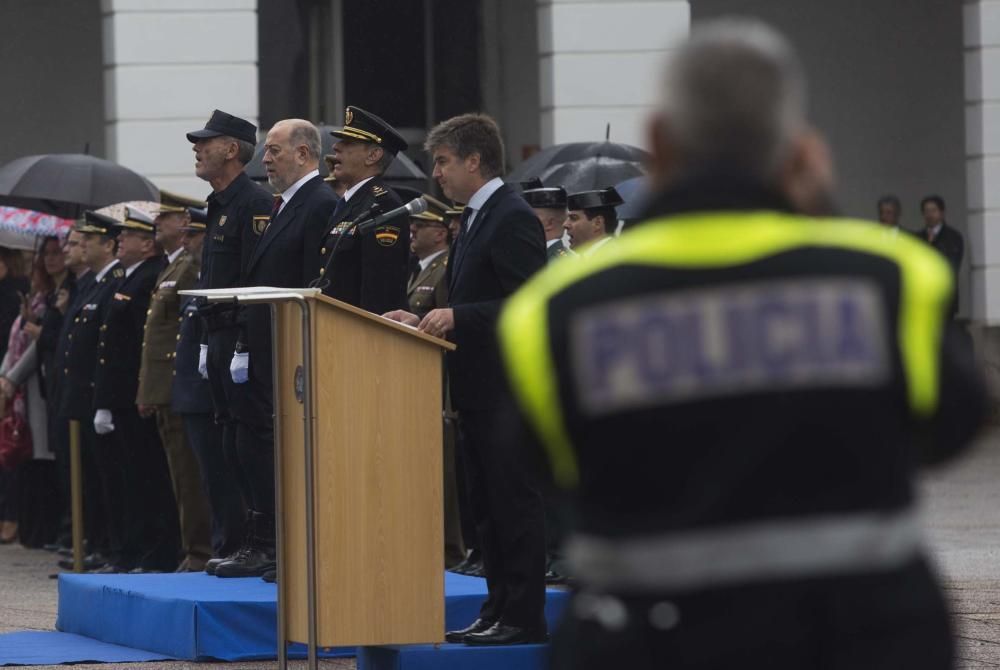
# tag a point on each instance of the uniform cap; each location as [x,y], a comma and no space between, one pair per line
[221,124]
[607,197]
[363,126]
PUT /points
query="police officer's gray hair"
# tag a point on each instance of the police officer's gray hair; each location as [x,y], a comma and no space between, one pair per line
[735,96]
[245,150]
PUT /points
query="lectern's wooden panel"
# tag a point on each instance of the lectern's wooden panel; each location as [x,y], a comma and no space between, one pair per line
[380,577]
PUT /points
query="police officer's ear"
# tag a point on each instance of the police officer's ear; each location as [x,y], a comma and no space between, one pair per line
[374,155]
[663,159]
[805,176]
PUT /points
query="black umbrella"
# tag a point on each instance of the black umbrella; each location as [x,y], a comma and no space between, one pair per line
[65,184]
[402,169]
[582,166]
[635,192]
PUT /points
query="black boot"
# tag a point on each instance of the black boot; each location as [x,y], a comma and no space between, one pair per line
[213,563]
[259,557]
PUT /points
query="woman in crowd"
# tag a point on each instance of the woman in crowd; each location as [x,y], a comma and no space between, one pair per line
[33,484]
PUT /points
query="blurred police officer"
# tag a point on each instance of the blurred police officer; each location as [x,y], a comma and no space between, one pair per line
[368,270]
[550,208]
[238,212]
[156,377]
[303,202]
[77,354]
[591,220]
[739,394]
[191,400]
[148,508]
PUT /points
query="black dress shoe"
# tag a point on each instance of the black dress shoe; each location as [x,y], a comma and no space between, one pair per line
[477,626]
[91,562]
[271,576]
[501,634]
[251,563]
[477,569]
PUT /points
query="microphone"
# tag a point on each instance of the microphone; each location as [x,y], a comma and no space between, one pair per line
[412,208]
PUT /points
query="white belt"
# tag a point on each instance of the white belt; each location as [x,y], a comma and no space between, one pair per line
[752,552]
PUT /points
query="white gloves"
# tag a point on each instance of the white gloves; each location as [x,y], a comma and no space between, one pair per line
[102,422]
[203,361]
[239,368]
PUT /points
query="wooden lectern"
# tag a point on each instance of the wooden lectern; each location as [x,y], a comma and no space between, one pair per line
[359,485]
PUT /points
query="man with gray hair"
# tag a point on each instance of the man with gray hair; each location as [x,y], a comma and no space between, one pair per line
[236,208]
[732,393]
[292,152]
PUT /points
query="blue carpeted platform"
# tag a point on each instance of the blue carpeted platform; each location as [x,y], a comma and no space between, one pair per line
[52,648]
[453,657]
[196,616]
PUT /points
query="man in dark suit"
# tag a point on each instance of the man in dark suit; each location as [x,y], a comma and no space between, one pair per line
[946,239]
[500,245]
[149,513]
[303,202]
[367,270]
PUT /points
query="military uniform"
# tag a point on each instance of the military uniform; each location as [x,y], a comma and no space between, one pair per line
[736,397]
[367,270]
[160,335]
[148,507]
[556,250]
[76,358]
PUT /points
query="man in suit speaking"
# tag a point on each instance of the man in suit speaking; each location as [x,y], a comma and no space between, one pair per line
[500,245]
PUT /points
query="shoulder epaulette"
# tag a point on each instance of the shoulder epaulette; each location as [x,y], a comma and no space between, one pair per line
[118,273]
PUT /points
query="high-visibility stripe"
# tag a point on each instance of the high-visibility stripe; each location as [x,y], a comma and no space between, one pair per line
[712,241]
[751,552]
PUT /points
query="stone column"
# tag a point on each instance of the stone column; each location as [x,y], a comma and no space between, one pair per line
[600,63]
[167,65]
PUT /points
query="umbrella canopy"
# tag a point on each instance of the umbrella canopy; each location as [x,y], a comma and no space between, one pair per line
[401,169]
[22,228]
[635,192]
[583,166]
[65,184]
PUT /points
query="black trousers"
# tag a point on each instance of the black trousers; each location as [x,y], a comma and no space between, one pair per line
[890,620]
[206,439]
[148,509]
[508,511]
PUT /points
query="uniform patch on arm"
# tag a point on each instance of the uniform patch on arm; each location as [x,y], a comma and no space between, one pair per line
[696,344]
[260,224]
[387,235]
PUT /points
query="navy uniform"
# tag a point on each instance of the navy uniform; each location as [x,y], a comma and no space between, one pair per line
[150,513]
[367,270]
[191,399]
[76,356]
[237,216]
[737,397]
[160,334]
[539,197]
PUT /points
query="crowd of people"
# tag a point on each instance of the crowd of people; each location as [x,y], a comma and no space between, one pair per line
[174,396]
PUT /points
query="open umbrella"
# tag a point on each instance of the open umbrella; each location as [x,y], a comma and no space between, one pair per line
[635,192]
[403,169]
[66,184]
[582,166]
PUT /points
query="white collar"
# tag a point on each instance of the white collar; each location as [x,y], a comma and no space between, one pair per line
[553,241]
[130,269]
[425,261]
[594,246]
[480,197]
[100,275]
[289,193]
[354,189]
[937,229]
[171,257]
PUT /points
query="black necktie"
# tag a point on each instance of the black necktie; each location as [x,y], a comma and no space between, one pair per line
[414,268]
[339,209]
[463,233]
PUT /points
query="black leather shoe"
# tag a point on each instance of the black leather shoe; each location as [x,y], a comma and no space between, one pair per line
[477,626]
[251,563]
[271,576]
[91,562]
[501,634]
[477,569]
